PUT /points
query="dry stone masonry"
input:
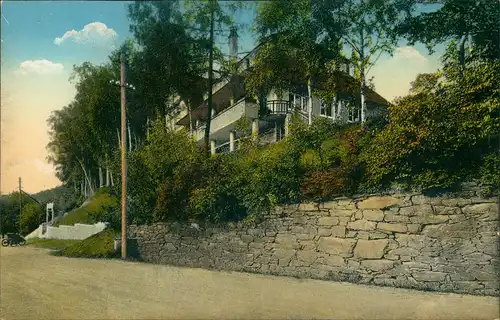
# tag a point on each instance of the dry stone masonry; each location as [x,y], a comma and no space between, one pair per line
[411,241]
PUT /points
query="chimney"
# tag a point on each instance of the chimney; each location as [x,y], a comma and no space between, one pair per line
[233,43]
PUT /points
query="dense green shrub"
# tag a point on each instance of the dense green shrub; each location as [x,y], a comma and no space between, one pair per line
[141,190]
[273,174]
[215,198]
[319,186]
[441,134]
[438,135]
[174,191]
[329,158]
[32,216]
[489,173]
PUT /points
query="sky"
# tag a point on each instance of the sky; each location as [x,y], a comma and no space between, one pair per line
[41,41]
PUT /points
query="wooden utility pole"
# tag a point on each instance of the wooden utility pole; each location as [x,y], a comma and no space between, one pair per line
[20,204]
[124,155]
[1,217]
[498,186]
[210,77]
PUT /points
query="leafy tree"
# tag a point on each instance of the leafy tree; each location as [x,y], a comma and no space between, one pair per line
[424,82]
[293,53]
[366,27]
[163,171]
[171,61]
[69,147]
[10,214]
[459,20]
[440,134]
[31,217]
[100,103]
[207,19]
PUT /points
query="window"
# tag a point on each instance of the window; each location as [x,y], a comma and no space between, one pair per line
[322,107]
[304,103]
[328,110]
[353,112]
[325,109]
[299,102]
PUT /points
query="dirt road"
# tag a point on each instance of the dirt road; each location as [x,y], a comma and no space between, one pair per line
[35,285]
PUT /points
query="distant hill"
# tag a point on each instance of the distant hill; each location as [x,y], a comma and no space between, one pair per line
[64,198]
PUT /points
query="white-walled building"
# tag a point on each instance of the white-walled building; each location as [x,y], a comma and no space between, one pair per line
[269,117]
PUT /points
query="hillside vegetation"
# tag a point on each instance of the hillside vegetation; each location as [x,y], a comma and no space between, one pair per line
[101,208]
[445,131]
[100,245]
[33,208]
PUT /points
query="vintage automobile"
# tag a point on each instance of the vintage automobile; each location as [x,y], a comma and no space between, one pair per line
[13,239]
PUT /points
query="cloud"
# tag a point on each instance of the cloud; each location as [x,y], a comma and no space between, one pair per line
[44,167]
[409,54]
[41,67]
[394,75]
[95,32]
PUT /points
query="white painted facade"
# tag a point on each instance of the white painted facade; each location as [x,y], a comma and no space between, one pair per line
[78,231]
[224,123]
[308,105]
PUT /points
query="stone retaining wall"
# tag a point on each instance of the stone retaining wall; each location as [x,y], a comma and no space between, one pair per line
[411,241]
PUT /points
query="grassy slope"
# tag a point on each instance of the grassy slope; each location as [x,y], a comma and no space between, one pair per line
[100,245]
[100,203]
[52,243]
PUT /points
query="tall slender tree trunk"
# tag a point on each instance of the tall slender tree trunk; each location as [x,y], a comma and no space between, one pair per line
[86,175]
[111,178]
[119,139]
[362,77]
[147,128]
[85,189]
[210,79]
[310,101]
[100,178]
[190,114]
[107,170]
[107,176]
[461,49]
[129,137]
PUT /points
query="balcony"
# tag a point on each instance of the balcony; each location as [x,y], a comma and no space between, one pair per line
[279,106]
[224,122]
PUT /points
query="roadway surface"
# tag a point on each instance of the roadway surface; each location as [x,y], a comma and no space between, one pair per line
[36,285]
